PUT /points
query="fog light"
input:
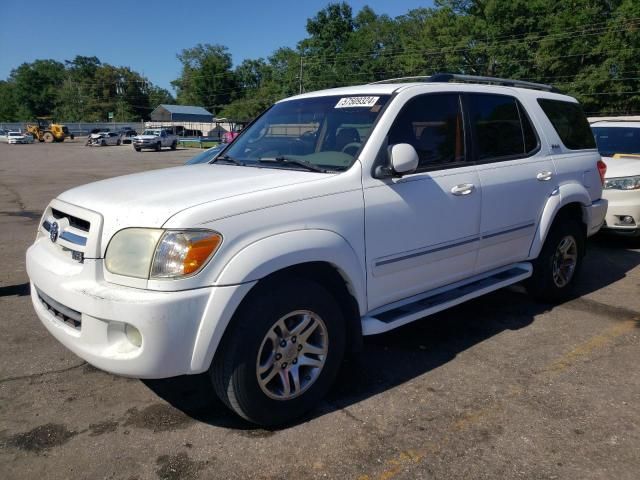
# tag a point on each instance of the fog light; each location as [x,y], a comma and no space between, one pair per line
[627,219]
[133,335]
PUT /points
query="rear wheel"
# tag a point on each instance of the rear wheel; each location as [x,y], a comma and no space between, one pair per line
[48,137]
[560,260]
[281,353]
[118,142]
[158,147]
[174,145]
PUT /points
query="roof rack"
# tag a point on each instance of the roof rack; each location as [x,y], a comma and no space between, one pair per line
[448,77]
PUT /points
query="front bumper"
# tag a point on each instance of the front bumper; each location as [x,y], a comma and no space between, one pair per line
[622,204]
[146,144]
[175,327]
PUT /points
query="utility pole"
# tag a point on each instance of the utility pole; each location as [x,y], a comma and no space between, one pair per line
[300,76]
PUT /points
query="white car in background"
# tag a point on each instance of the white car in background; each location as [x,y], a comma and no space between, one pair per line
[14,138]
[619,145]
[104,138]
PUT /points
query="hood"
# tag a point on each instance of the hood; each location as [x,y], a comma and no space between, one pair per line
[149,199]
[622,167]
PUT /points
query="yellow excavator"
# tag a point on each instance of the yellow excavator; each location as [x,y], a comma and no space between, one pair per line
[44,130]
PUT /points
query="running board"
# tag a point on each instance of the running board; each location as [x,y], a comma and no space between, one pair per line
[413,308]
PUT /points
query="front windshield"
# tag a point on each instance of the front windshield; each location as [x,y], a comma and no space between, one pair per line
[205,156]
[326,132]
[151,132]
[612,140]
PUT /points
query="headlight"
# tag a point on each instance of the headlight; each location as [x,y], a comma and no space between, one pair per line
[184,253]
[130,251]
[622,183]
[156,253]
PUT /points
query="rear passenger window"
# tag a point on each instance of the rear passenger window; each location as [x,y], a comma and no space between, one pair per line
[433,125]
[570,123]
[501,128]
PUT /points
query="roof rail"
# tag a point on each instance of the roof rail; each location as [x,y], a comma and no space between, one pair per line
[448,77]
[507,82]
[422,78]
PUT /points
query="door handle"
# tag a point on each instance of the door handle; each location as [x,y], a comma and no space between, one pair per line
[544,176]
[463,189]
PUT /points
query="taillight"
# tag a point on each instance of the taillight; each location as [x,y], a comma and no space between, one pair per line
[602,170]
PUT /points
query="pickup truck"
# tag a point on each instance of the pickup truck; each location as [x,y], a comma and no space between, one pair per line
[156,139]
[336,214]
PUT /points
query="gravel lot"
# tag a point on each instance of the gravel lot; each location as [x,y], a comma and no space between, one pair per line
[500,387]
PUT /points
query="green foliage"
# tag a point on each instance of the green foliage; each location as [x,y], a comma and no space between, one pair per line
[82,89]
[207,79]
[36,84]
[587,48]
[8,102]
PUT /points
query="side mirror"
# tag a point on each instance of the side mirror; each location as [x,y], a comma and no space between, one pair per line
[404,158]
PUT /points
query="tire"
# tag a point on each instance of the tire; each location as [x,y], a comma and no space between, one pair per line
[136,149]
[174,145]
[555,272]
[118,142]
[234,371]
[158,147]
[48,137]
[103,143]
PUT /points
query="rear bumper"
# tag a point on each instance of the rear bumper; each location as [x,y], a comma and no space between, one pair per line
[595,215]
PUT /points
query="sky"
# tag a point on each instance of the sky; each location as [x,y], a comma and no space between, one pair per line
[146,36]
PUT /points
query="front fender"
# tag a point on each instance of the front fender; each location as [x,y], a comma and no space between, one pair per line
[283,250]
[563,195]
[262,258]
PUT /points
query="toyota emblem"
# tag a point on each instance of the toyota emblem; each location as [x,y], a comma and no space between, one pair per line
[53,232]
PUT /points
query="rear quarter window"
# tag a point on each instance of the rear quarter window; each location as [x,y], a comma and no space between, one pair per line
[570,122]
[502,129]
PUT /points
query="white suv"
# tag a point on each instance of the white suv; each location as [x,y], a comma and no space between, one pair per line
[336,214]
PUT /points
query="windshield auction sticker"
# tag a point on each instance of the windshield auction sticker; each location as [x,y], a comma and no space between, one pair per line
[349,102]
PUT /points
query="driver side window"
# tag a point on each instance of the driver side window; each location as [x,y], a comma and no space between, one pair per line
[433,125]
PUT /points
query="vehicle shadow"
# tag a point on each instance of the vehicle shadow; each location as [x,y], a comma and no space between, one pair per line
[168,150]
[20,290]
[393,358]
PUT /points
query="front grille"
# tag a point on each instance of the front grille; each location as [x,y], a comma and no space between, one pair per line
[60,312]
[69,232]
[75,222]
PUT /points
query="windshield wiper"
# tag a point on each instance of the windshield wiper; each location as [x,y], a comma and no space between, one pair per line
[227,158]
[293,161]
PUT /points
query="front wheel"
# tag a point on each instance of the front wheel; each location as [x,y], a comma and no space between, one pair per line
[560,260]
[282,352]
[137,149]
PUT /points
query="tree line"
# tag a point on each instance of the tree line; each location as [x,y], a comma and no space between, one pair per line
[586,48]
